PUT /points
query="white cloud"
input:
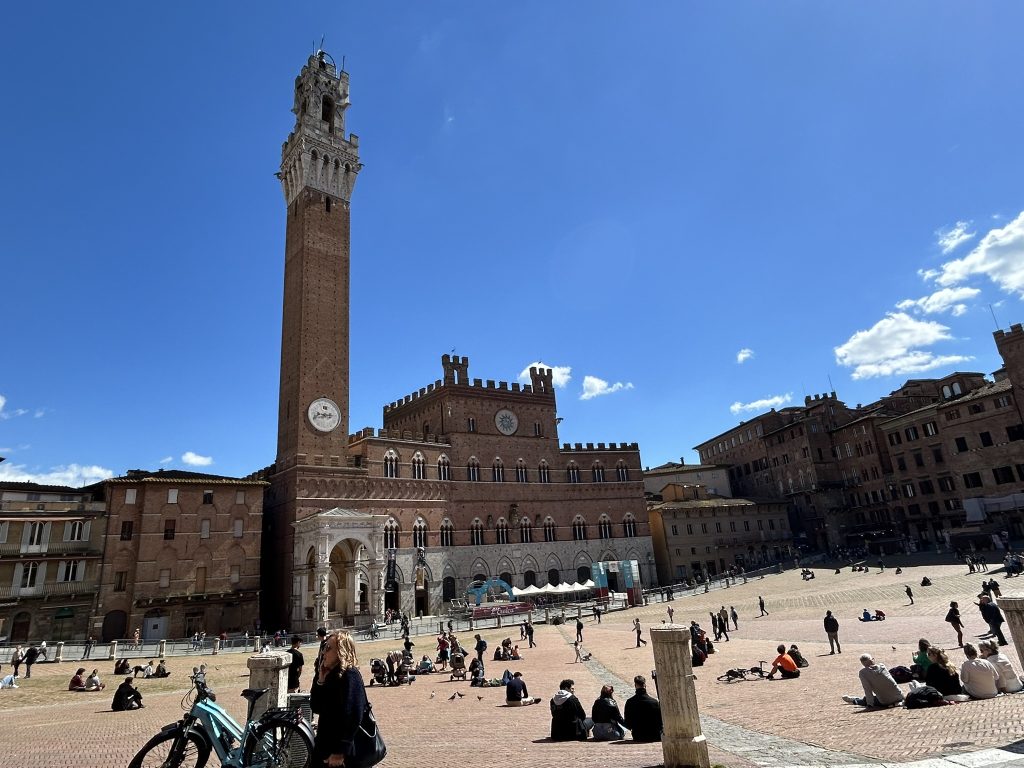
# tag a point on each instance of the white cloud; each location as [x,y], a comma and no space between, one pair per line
[999,257]
[73,474]
[40,412]
[9,414]
[595,387]
[760,405]
[943,300]
[743,355]
[893,346]
[195,460]
[166,459]
[949,239]
[559,374]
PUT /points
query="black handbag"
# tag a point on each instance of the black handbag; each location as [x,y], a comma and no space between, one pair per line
[368,745]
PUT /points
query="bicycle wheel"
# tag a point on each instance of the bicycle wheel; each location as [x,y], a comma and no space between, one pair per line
[162,752]
[277,744]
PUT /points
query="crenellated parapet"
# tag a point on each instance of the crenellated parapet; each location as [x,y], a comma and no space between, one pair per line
[592,448]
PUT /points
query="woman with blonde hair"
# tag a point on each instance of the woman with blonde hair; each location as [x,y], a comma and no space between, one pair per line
[1009,680]
[339,697]
[943,676]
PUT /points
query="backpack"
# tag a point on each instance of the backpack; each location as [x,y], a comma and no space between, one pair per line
[903,675]
[924,696]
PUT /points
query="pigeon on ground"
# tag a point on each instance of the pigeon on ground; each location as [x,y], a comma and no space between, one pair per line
[431,694]
[452,697]
[479,698]
[459,694]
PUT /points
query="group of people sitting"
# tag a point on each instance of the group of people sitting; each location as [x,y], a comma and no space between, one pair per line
[125,667]
[569,721]
[700,645]
[79,682]
[807,574]
[878,615]
[985,673]
[506,651]
[788,663]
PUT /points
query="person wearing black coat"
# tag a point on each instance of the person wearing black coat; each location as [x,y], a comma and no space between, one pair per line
[608,722]
[569,722]
[339,697]
[643,713]
[993,617]
[30,658]
[126,697]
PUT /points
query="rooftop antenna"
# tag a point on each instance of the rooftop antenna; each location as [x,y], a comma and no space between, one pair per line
[990,309]
[830,387]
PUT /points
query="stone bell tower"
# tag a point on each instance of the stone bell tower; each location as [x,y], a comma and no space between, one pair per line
[318,172]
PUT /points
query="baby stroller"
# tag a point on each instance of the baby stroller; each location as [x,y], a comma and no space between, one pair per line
[378,672]
[458,662]
[404,669]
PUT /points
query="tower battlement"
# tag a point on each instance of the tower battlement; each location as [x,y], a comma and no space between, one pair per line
[592,448]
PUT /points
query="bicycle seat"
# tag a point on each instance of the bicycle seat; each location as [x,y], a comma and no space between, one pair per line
[252,694]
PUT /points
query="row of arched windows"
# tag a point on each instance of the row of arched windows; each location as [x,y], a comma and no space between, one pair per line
[418,468]
[478,533]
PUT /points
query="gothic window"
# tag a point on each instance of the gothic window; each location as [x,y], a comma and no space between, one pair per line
[544,473]
[327,113]
[604,527]
[521,472]
[579,529]
[525,531]
[597,472]
[419,533]
[549,530]
[621,472]
[473,470]
[391,534]
[476,533]
[629,526]
[419,467]
[444,469]
[572,473]
[390,464]
[447,533]
[75,530]
[498,471]
[501,531]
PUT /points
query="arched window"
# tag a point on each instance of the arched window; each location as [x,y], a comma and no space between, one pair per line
[629,526]
[554,577]
[447,533]
[604,527]
[476,533]
[621,472]
[525,530]
[506,577]
[543,473]
[29,574]
[448,589]
[579,529]
[444,468]
[391,534]
[75,530]
[549,530]
[327,113]
[529,578]
[419,533]
[419,467]
[473,470]
[597,472]
[521,472]
[572,473]
[498,471]
[390,464]
[501,531]
[583,574]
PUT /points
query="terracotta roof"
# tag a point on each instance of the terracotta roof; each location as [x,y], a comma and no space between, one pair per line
[37,488]
[180,476]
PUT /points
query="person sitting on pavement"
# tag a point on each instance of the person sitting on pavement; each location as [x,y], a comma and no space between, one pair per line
[10,681]
[795,655]
[126,697]
[146,671]
[920,661]
[1009,680]
[609,724]
[866,616]
[516,694]
[569,722]
[942,676]
[78,680]
[643,713]
[980,677]
[879,615]
[514,654]
[161,669]
[784,665]
[880,690]
[426,666]
[476,673]
[122,667]
[93,682]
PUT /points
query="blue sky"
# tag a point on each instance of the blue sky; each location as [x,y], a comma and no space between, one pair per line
[693,210]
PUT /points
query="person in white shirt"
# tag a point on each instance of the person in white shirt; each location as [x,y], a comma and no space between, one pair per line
[979,677]
[1009,680]
[11,681]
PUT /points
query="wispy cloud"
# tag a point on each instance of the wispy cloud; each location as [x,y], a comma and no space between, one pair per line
[895,345]
[40,412]
[943,300]
[4,415]
[999,257]
[595,387]
[560,374]
[759,405]
[949,239]
[166,459]
[75,475]
[195,460]
[743,355]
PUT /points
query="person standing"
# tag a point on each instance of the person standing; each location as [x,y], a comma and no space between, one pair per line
[338,696]
[529,634]
[295,665]
[638,630]
[735,617]
[30,658]
[910,593]
[579,630]
[643,713]
[88,647]
[953,617]
[137,638]
[321,633]
[17,656]
[993,617]
[480,648]
[597,612]
[670,613]
[832,631]
[760,604]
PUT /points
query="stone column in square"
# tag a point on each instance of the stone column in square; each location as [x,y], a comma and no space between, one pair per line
[1013,610]
[269,670]
[682,742]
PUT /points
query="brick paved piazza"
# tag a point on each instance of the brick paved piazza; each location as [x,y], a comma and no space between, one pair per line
[763,723]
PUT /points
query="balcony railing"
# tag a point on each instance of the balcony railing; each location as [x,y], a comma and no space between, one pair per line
[47,507]
[50,589]
[52,548]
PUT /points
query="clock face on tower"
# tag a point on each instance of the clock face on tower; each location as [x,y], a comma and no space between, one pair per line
[506,422]
[324,414]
